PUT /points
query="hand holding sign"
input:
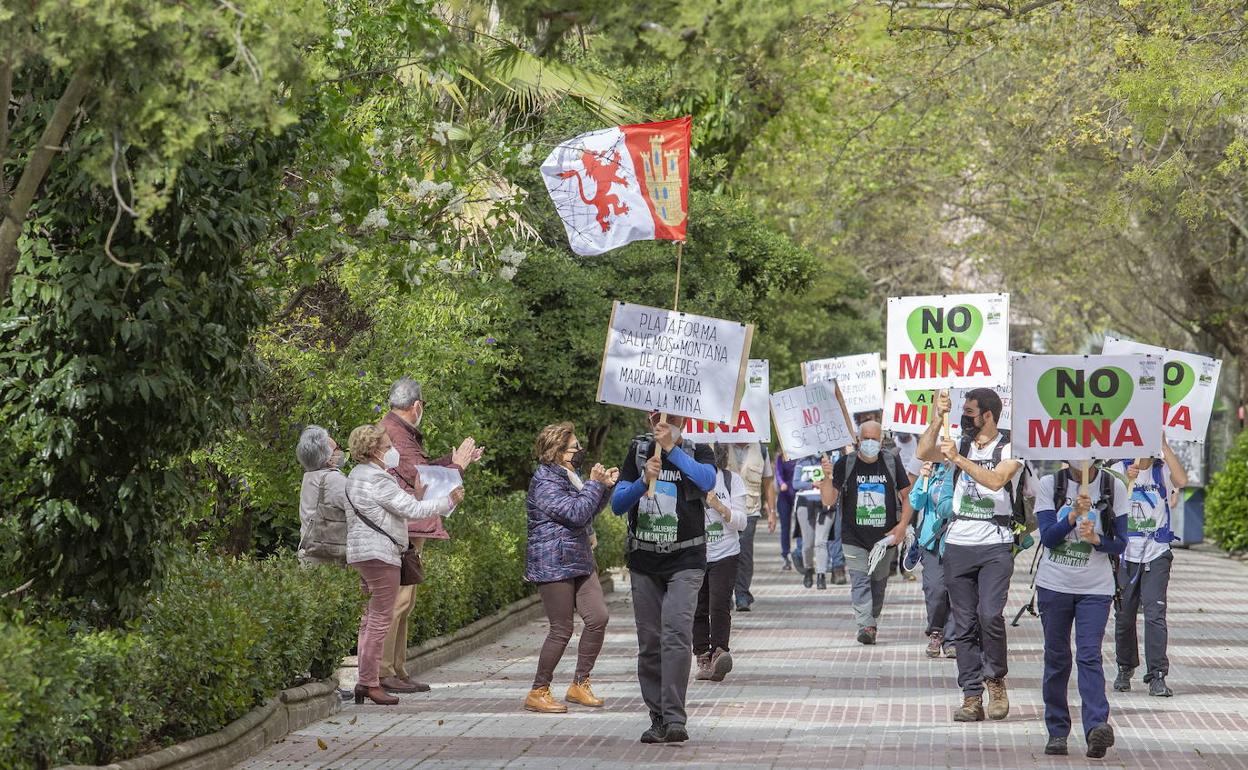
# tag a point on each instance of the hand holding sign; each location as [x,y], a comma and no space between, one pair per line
[653,466]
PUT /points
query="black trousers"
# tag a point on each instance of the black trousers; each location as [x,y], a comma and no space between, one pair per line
[712,621]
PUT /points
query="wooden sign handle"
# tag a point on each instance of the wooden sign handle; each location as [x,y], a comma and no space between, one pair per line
[1083,483]
[657,453]
[945,430]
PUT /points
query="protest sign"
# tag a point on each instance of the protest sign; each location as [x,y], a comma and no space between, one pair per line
[810,419]
[1191,387]
[907,411]
[859,378]
[1086,407]
[674,363]
[953,340]
[753,421]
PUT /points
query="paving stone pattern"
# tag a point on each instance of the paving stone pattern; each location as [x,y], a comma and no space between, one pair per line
[804,694]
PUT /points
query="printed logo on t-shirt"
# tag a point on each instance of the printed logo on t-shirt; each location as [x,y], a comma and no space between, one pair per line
[973,504]
[1142,515]
[871,509]
[1071,553]
[656,516]
[714,531]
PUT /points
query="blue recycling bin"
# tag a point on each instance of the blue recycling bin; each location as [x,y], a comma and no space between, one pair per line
[1193,530]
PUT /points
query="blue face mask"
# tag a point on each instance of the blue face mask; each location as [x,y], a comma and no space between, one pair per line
[869,447]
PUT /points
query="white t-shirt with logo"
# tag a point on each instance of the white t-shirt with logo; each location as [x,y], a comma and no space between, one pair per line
[1147,512]
[1076,567]
[972,499]
[722,536]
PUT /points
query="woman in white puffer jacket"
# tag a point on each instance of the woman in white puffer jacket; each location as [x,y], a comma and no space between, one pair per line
[374,494]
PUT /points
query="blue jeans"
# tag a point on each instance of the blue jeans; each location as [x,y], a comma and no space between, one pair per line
[836,551]
[784,507]
[1089,615]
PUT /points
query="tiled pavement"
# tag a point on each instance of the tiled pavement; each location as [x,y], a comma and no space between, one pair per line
[804,694]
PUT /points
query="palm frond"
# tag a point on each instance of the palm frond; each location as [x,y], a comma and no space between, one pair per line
[531,83]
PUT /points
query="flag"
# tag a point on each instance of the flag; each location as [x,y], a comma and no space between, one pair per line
[622,184]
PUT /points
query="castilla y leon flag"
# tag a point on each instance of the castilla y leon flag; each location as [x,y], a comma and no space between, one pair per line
[622,184]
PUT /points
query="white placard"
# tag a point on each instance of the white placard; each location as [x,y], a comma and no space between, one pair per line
[907,411]
[439,481]
[948,340]
[1191,387]
[753,421]
[1086,407]
[675,363]
[810,419]
[859,377]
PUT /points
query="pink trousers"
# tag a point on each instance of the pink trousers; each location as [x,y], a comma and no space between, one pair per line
[381,583]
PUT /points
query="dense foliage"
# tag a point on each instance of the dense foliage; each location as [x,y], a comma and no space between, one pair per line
[1226,507]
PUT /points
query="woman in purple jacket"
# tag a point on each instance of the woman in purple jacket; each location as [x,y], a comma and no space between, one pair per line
[560,560]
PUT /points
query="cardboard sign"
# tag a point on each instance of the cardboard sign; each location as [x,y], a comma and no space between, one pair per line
[859,377]
[675,363]
[811,419]
[907,411]
[1191,387]
[1086,407]
[952,340]
[753,421]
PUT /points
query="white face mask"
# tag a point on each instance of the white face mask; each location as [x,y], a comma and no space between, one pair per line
[869,447]
[391,458]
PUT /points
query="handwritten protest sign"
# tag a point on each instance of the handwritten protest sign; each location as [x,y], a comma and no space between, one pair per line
[810,419]
[675,363]
[954,340]
[859,378]
[753,421]
[1191,387]
[1086,407]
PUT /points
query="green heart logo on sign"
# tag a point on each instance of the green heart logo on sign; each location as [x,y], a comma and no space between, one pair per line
[1075,394]
[1180,379]
[936,329]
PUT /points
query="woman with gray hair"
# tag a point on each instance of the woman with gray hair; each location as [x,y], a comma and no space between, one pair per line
[322,499]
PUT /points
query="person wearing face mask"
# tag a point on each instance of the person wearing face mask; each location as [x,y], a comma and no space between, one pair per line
[871,487]
[559,558]
[322,499]
[978,545]
[376,537]
[402,424]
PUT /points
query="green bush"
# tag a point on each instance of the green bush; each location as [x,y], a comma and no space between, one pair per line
[1227,505]
[219,638]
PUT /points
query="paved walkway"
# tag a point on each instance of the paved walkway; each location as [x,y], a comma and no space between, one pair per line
[805,695]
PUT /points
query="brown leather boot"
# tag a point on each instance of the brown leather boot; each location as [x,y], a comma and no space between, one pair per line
[540,700]
[394,684]
[704,666]
[998,699]
[972,709]
[375,694]
[580,692]
[420,686]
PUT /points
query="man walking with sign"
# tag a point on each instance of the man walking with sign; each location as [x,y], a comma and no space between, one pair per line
[979,542]
[871,485]
[1145,574]
[667,560]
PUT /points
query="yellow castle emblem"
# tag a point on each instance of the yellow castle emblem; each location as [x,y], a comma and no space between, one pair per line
[663,183]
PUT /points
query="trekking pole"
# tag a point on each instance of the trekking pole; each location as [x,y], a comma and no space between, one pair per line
[1029,607]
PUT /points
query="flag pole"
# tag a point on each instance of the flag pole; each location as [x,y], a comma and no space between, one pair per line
[680,250]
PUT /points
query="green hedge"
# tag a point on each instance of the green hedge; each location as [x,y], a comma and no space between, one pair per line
[219,638]
[1226,508]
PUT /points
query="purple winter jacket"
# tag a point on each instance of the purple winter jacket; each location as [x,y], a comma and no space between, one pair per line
[559,525]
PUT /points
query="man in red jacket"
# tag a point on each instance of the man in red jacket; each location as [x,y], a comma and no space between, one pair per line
[402,424]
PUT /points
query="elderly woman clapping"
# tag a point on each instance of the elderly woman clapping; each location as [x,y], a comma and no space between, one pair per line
[560,560]
[374,498]
[322,499]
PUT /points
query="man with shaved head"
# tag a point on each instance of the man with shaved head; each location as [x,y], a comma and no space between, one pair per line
[871,485]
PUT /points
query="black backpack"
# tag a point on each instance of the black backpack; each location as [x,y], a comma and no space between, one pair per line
[889,472]
[1018,515]
[1104,506]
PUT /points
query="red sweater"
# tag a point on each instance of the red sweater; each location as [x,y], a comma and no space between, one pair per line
[410,442]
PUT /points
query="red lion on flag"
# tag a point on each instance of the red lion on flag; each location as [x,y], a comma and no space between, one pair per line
[603,175]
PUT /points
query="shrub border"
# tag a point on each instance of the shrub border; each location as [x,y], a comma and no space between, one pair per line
[298,707]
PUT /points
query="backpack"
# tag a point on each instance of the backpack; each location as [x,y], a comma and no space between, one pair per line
[1104,506]
[1018,510]
[889,465]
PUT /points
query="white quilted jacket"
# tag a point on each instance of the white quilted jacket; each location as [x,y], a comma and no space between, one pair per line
[375,494]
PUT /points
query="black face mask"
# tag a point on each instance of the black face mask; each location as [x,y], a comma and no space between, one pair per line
[969,428]
[578,457]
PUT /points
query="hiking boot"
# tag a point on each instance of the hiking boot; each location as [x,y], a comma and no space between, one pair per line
[972,709]
[580,692]
[743,607]
[934,641]
[998,699]
[1158,687]
[1100,738]
[788,564]
[821,582]
[541,701]
[808,579]
[838,577]
[675,732]
[1123,682]
[867,635]
[1056,746]
[908,576]
[951,651]
[657,733]
[720,664]
[797,561]
[704,666]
